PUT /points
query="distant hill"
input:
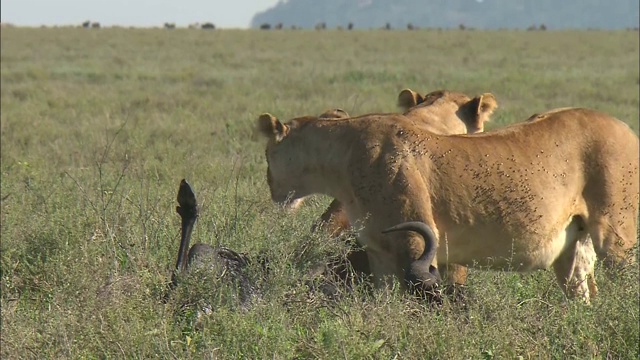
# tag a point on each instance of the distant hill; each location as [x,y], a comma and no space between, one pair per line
[481,14]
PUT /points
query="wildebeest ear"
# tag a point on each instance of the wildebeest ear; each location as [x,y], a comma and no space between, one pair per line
[334,114]
[485,104]
[270,126]
[408,99]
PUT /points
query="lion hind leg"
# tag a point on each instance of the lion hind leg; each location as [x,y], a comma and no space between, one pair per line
[614,237]
[612,197]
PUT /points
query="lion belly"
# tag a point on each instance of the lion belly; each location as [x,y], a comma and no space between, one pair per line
[502,251]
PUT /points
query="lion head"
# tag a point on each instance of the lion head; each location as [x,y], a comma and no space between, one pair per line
[447,112]
[276,130]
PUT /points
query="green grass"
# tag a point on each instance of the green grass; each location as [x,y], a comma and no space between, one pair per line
[99,126]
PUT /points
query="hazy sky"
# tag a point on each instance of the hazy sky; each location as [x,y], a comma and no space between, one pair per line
[232,13]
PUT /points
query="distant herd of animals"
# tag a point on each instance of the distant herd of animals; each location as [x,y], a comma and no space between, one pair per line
[428,192]
[280,26]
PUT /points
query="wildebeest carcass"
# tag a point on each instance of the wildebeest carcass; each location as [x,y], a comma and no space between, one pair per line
[230,268]
[227,266]
[245,275]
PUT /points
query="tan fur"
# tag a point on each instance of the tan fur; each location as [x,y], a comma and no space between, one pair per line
[525,197]
[334,114]
[442,112]
[446,112]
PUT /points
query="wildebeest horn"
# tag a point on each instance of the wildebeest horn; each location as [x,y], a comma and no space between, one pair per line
[188,211]
[421,273]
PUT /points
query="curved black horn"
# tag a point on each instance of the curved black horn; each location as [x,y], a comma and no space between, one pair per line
[427,234]
[421,273]
[188,211]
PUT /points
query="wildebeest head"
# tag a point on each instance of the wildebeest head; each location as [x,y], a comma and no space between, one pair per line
[224,263]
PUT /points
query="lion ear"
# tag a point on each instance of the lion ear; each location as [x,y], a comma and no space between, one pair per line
[334,114]
[270,126]
[408,99]
[485,104]
[480,110]
[431,97]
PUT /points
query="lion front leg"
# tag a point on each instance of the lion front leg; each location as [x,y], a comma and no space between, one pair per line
[455,277]
[334,220]
[455,274]
[386,261]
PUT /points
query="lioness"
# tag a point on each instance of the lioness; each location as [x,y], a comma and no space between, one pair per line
[441,112]
[523,197]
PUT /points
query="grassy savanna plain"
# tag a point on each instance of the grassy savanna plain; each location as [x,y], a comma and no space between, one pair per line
[99,126]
